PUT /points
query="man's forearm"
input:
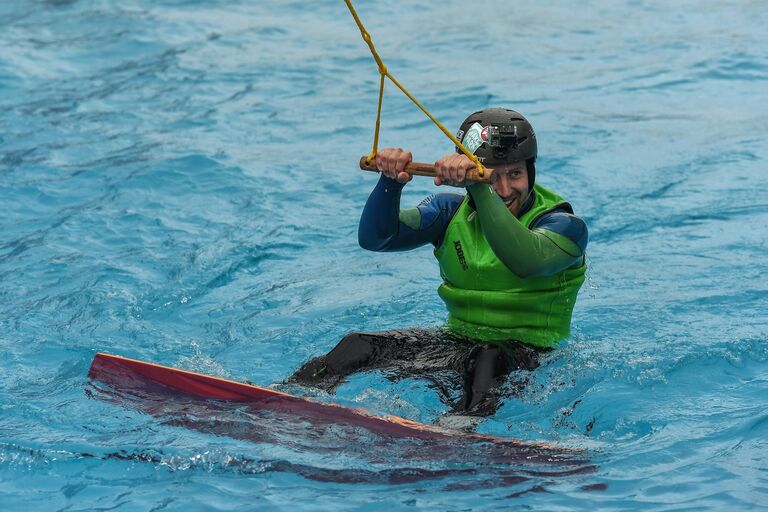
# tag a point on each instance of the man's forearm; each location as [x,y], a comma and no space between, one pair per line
[527,253]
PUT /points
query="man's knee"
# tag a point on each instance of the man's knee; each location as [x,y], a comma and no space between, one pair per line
[493,361]
[349,354]
[486,370]
[354,351]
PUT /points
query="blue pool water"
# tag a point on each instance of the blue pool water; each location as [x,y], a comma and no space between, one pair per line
[178,184]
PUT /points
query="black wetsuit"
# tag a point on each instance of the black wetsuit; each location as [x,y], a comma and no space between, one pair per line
[446,361]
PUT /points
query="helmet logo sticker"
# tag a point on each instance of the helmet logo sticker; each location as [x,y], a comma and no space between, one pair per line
[473,139]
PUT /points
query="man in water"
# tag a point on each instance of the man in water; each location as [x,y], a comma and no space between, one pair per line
[511,256]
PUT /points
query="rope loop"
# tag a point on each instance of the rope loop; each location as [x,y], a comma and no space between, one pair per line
[384,73]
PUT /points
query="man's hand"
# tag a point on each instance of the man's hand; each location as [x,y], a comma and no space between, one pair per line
[452,169]
[392,161]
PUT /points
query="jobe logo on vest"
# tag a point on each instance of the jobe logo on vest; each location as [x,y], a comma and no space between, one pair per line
[460,253]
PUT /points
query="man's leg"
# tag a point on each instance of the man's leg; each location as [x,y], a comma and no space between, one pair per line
[403,353]
[487,368]
[354,352]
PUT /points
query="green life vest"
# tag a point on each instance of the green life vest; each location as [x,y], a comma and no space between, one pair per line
[487,301]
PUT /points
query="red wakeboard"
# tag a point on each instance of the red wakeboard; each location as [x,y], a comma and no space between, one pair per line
[201,402]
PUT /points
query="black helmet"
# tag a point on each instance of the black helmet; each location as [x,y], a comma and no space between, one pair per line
[506,137]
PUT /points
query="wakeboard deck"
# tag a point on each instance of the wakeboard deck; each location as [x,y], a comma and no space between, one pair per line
[213,394]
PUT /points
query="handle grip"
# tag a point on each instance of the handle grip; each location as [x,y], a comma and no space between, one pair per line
[422,169]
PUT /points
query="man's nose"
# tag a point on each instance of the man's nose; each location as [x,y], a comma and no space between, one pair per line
[502,185]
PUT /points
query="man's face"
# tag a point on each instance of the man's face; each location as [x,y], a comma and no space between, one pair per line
[510,181]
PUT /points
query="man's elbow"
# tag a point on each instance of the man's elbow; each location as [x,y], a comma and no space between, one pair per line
[525,272]
[365,242]
[527,269]
[369,242]
[542,269]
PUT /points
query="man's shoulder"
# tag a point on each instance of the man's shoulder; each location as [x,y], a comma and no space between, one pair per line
[562,221]
[439,209]
[442,201]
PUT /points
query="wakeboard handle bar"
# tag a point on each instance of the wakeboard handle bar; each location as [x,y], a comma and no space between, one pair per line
[422,169]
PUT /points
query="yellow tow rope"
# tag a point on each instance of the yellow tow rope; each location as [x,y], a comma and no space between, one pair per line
[384,73]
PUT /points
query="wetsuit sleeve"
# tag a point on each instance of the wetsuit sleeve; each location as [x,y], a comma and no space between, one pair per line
[385,227]
[527,252]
